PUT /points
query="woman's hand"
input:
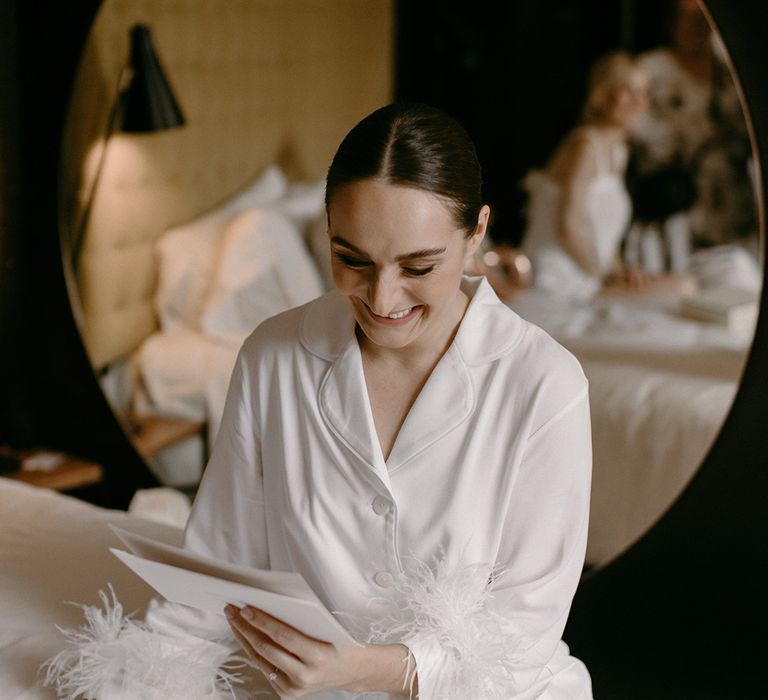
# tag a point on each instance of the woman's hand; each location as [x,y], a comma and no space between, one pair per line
[635,278]
[297,665]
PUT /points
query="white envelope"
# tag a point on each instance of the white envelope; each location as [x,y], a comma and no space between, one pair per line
[216,584]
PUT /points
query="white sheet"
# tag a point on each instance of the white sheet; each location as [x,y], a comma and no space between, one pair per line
[660,387]
[53,549]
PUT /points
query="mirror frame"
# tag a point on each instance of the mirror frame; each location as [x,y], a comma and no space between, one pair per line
[666,619]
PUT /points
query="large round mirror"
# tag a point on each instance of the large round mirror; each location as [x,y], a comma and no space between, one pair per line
[167,285]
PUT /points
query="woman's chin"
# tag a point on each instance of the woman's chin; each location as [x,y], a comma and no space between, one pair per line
[389,337]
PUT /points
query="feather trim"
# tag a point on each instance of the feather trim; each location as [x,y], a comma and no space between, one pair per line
[443,614]
[113,656]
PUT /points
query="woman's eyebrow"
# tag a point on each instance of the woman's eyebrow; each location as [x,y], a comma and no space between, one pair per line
[338,240]
[425,253]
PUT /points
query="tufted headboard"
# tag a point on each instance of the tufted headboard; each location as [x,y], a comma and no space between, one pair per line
[259,82]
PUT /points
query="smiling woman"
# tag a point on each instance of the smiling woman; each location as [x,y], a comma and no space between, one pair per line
[407,266]
[393,390]
[405,207]
[426,472]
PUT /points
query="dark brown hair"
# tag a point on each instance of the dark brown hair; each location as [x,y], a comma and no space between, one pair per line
[417,146]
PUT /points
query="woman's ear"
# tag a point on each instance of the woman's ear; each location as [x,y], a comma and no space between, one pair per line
[474,241]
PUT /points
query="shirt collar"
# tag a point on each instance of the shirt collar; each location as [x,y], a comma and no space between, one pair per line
[489,329]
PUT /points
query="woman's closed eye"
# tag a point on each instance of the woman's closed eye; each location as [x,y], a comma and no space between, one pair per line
[418,271]
[361,263]
[350,261]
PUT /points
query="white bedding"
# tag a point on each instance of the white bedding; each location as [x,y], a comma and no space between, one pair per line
[185,374]
[660,387]
[219,277]
[53,549]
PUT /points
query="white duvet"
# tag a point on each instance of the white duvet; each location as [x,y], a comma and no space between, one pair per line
[660,388]
[54,549]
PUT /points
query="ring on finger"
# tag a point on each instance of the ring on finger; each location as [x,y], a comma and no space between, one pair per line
[272,677]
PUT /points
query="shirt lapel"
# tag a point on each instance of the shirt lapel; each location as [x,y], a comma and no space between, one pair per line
[446,400]
[345,407]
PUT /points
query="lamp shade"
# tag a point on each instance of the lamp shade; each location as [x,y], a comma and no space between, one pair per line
[147,103]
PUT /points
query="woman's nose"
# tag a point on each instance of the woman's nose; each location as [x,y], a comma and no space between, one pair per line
[382,293]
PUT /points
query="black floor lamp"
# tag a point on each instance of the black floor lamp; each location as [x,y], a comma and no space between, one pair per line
[144,101]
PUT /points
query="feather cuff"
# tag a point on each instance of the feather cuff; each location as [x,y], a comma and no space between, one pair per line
[462,647]
[114,657]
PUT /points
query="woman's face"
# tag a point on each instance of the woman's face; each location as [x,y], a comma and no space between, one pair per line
[398,257]
[628,101]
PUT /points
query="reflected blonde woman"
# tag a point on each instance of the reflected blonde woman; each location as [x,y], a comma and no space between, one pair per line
[579,206]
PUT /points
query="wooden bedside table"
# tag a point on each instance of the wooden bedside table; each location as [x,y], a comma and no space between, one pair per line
[68,473]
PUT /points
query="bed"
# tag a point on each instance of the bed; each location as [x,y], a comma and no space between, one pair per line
[660,387]
[54,549]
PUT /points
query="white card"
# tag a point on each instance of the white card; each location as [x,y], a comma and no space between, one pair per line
[281,582]
[207,584]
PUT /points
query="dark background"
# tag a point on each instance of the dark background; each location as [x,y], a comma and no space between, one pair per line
[682,614]
[514,74]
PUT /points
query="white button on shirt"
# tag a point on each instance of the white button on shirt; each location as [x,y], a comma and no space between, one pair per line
[380,505]
[492,464]
[384,579]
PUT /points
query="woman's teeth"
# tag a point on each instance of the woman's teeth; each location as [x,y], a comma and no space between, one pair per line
[400,314]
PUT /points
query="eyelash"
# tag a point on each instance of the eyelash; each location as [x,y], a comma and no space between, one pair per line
[357,264]
[418,272]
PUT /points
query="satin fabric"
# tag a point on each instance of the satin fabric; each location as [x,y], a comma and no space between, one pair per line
[492,465]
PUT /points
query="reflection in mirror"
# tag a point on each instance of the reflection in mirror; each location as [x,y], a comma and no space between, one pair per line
[639,253]
[642,242]
[196,234]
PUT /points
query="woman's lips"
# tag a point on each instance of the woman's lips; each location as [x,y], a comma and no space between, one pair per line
[399,320]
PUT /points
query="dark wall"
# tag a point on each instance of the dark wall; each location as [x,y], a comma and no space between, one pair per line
[514,74]
[13,419]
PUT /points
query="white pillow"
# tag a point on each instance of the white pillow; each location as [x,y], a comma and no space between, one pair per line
[303,201]
[187,253]
[264,268]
